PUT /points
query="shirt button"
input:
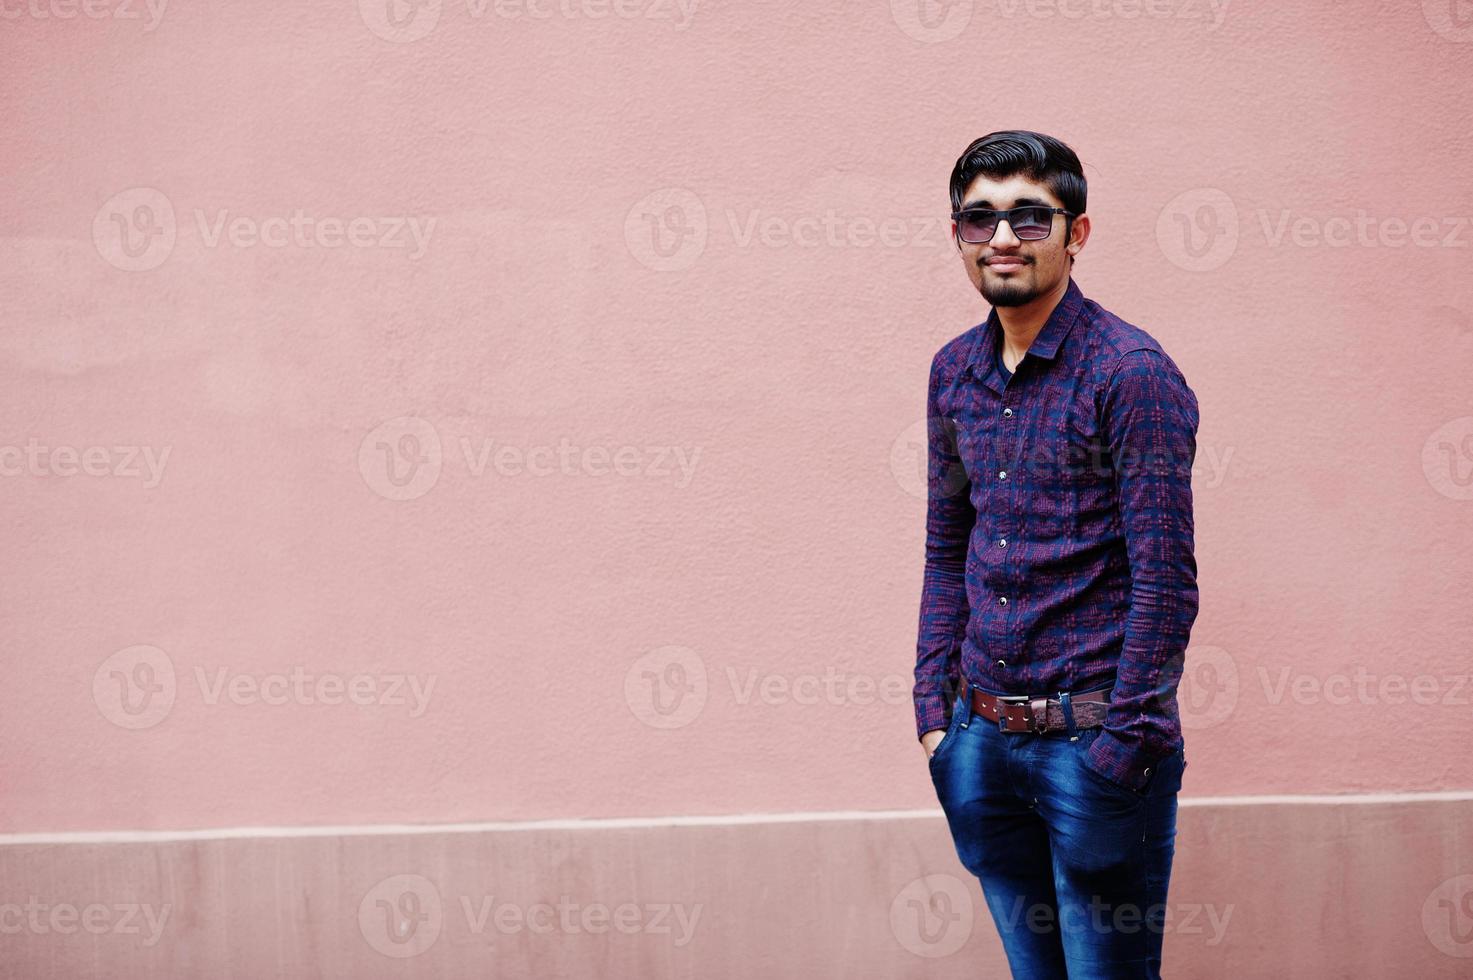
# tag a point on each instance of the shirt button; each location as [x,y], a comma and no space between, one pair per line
[1007,413]
[1146,773]
[1002,542]
[1002,474]
[1002,663]
[1002,600]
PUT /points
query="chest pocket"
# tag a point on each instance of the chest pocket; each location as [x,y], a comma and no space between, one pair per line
[1070,453]
[972,438]
[1083,454]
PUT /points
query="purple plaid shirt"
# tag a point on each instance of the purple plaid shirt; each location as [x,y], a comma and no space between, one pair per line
[1059,528]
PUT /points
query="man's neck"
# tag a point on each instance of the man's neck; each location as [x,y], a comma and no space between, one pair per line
[1021,324]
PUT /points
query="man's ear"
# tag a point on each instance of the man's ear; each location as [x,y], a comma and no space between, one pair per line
[1079,230]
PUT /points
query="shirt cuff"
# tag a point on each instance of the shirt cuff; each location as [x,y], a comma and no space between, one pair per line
[932,712]
[1119,761]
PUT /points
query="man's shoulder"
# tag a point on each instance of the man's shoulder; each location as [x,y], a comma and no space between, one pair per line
[953,355]
[1115,336]
[1115,341]
[1129,362]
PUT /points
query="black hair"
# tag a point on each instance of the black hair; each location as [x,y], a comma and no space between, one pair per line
[1040,158]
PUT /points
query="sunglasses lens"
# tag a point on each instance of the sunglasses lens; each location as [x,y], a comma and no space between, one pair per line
[1031,224]
[976,228]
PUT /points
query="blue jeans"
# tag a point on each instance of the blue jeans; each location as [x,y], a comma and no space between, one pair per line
[1074,866]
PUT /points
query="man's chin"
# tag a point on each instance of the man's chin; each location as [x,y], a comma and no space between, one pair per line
[1008,295]
[1016,289]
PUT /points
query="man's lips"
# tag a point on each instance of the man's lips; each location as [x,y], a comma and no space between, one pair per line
[1005,265]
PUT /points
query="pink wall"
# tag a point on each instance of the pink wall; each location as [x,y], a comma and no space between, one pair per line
[1269,890]
[632,626]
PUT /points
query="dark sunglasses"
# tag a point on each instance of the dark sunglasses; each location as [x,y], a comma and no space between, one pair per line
[1030,223]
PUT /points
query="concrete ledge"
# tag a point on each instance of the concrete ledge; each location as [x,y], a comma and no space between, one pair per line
[1281,886]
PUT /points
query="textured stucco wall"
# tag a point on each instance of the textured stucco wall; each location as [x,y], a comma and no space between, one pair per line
[650,380]
[876,895]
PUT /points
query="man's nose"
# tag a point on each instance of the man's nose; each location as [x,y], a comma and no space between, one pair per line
[1003,237]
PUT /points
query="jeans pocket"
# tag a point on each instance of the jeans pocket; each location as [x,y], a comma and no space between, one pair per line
[1109,784]
[1098,779]
[1166,775]
[952,728]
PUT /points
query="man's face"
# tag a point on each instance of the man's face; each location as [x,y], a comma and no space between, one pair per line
[1005,270]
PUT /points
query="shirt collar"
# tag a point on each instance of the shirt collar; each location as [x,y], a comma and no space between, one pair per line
[983,359]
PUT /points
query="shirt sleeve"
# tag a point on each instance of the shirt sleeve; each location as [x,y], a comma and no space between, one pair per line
[950,518]
[1150,416]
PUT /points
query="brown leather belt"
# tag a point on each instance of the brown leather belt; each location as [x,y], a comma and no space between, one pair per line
[1020,713]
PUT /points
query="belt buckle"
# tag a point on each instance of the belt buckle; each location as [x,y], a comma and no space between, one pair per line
[1003,718]
[1035,714]
[1038,713]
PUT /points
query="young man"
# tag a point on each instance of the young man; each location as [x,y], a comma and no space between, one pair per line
[1060,584]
